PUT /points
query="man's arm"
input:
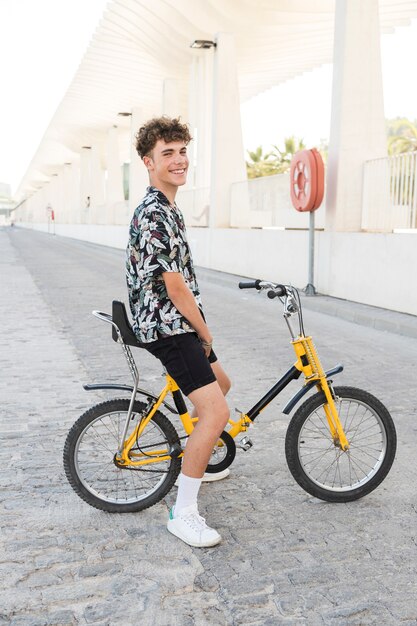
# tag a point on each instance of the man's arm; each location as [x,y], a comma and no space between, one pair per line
[183,299]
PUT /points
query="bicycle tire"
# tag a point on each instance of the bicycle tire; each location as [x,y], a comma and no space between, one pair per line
[89,465]
[223,454]
[323,469]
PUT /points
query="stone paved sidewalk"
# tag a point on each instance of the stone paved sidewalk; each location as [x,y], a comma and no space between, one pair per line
[286,558]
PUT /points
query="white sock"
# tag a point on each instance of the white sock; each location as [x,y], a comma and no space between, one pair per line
[187,492]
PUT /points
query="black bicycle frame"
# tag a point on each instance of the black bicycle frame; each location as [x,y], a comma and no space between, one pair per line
[292,374]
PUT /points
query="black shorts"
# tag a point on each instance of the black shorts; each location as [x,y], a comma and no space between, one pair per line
[184,359]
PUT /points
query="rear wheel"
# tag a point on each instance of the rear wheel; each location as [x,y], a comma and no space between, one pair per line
[89,458]
[320,466]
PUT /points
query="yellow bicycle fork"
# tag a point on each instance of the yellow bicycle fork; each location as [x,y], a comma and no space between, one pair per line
[309,364]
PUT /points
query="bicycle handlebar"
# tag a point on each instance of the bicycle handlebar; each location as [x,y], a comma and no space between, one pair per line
[255,284]
[275,290]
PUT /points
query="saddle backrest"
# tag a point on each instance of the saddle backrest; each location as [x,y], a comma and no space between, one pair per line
[120,318]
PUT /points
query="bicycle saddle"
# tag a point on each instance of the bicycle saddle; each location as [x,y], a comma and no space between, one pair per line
[120,318]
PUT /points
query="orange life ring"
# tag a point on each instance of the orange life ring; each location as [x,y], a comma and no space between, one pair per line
[307,180]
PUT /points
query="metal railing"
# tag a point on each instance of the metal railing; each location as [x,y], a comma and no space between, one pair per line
[389,193]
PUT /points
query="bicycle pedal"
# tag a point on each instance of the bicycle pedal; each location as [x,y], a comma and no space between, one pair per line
[245,444]
[175,451]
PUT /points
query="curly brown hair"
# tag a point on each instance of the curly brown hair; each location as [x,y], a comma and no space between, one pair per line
[166,128]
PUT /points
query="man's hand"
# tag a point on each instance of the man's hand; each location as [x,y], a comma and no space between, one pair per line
[183,299]
[207,345]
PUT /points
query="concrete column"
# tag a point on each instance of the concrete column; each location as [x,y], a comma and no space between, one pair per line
[227,156]
[39,203]
[68,205]
[50,201]
[60,198]
[357,124]
[85,187]
[72,193]
[97,186]
[204,105]
[192,120]
[114,182]
[52,194]
[170,98]
[75,191]
[200,100]
[138,174]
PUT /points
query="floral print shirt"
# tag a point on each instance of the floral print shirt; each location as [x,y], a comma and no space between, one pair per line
[157,243]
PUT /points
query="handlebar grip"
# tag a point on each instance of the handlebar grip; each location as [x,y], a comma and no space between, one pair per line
[251,285]
[278,291]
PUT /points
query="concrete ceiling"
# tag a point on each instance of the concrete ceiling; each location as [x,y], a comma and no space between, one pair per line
[138,44]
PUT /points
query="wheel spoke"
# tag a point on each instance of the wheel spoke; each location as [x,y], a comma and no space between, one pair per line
[94,453]
[331,468]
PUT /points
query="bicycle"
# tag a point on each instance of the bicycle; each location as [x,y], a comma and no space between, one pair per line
[125,455]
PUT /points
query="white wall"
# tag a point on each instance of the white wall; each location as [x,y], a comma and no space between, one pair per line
[113,236]
[281,256]
[371,268]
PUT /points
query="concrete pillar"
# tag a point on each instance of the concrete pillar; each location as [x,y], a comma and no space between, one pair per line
[227,155]
[357,124]
[114,182]
[138,174]
[58,207]
[97,187]
[68,205]
[39,206]
[85,187]
[204,116]
[55,196]
[72,192]
[192,120]
[170,98]
[200,100]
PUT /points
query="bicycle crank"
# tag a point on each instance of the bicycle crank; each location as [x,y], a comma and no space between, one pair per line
[244,444]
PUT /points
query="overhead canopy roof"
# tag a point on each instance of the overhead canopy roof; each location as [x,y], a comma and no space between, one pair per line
[139,43]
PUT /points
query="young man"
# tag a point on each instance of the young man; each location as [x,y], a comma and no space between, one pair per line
[166,306]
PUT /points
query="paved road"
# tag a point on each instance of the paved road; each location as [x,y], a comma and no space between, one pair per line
[286,558]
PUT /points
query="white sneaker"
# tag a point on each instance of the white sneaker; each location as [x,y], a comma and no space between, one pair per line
[211,478]
[191,528]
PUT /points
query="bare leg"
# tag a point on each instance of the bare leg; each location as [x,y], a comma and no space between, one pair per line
[213,414]
[184,521]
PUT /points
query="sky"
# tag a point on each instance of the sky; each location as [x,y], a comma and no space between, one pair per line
[309,118]
[42,43]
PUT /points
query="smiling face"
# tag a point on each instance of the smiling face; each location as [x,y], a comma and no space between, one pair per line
[167,165]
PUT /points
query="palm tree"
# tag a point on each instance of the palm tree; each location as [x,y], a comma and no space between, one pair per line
[283,157]
[260,164]
[402,136]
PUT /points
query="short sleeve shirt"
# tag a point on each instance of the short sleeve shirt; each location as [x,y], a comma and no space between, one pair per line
[157,243]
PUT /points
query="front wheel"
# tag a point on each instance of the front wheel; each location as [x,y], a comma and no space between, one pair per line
[321,467]
[89,458]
